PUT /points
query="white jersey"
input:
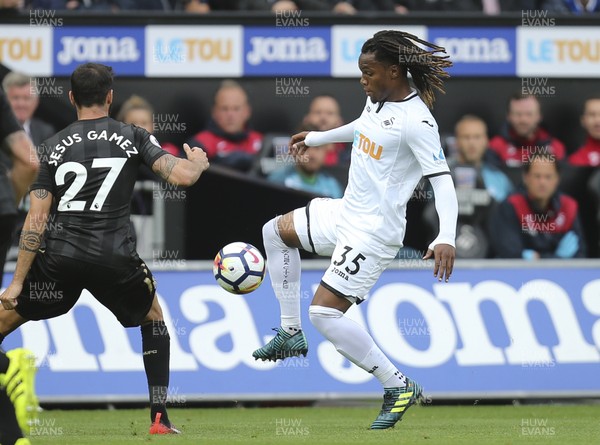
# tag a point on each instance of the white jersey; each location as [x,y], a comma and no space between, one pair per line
[394,146]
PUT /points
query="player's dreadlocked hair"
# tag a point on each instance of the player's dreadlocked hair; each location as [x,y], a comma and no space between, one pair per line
[426,67]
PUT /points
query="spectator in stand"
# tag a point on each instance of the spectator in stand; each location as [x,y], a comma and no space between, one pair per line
[572,6]
[339,7]
[588,155]
[204,6]
[138,111]
[19,166]
[324,114]
[522,135]
[479,187]
[305,174]
[227,139]
[11,5]
[21,93]
[538,222]
[488,7]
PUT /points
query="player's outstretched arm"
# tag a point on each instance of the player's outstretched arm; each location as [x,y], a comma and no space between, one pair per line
[182,172]
[443,248]
[31,240]
[25,163]
[300,141]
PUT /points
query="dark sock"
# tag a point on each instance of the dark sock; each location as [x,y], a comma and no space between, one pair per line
[4,362]
[156,345]
[9,427]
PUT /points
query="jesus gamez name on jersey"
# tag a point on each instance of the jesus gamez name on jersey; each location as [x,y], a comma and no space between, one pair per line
[92,135]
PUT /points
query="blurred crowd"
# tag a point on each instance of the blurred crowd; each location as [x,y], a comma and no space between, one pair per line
[513,188]
[349,7]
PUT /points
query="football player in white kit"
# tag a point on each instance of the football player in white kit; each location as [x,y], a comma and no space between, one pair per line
[395,142]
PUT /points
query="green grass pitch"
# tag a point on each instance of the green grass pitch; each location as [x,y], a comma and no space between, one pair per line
[486,425]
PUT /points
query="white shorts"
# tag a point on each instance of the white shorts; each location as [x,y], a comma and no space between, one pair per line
[357,258]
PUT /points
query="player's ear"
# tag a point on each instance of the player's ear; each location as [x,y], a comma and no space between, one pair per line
[394,71]
[109,97]
[71,99]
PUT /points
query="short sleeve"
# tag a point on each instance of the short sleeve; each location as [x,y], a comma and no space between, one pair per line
[423,139]
[44,179]
[150,149]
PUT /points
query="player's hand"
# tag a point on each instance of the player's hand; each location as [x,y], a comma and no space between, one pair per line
[297,145]
[444,255]
[197,156]
[9,296]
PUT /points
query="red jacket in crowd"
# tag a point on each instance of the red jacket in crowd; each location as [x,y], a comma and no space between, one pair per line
[588,155]
[514,150]
[218,143]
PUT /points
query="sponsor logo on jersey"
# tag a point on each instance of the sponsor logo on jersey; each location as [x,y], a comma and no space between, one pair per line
[478,51]
[287,51]
[123,49]
[366,145]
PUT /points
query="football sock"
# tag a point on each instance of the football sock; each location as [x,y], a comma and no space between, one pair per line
[9,427]
[283,263]
[354,343]
[156,345]
[4,362]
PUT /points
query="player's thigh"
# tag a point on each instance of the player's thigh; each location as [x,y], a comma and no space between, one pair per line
[128,291]
[316,224]
[325,297]
[356,265]
[9,321]
[51,288]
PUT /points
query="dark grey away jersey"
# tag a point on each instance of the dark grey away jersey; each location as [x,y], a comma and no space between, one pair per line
[91,167]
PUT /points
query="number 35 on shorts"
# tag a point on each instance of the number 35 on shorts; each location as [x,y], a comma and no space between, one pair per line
[348,262]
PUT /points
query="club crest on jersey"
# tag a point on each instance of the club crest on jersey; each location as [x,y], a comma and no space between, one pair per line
[363,143]
[388,123]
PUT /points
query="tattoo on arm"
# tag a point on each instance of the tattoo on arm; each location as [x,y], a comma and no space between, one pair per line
[40,193]
[30,241]
[166,164]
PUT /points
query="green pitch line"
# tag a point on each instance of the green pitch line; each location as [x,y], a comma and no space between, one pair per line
[486,425]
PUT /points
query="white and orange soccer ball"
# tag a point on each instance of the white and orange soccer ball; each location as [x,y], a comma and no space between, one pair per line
[239,268]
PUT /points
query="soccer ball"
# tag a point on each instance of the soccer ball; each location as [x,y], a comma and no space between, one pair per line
[239,268]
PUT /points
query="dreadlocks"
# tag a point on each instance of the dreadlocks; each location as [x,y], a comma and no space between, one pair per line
[426,67]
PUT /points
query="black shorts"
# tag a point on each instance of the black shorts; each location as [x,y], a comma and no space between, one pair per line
[54,284]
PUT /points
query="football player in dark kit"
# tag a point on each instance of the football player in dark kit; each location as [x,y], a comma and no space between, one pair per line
[89,175]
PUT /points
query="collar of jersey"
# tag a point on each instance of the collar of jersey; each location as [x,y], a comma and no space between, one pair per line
[410,96]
